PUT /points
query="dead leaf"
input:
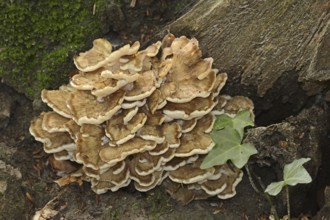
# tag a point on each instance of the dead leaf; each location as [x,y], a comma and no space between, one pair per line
[49,210]
[64,166]
[63,181]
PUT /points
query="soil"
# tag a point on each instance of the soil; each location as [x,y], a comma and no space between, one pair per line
[29,177]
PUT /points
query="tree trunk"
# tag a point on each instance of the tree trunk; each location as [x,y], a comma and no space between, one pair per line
[276,52]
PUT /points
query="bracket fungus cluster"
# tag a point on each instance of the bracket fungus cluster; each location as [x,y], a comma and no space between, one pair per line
[141,117]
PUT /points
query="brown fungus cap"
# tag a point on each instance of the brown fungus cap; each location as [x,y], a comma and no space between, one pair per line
[160,149]
[164,68]
[193,143]
[133,104]
[167,156]
[112,155]
[88,60]
[53,142]
[187,125]
[147,164]
[73,129]
[123,126]
[91,173]
[188,76]
[143,87]
[141,115]
[89,144]
[100,187]
[86,109]
[153,49]
[152,133]
[197,141]
[222,101]
[224,186]
[238,103]
[118,74]
[116,176]
[156,101]
[191,173]
[101,54]
[57,100]
[219,83]
[226,182]
[233,178]
[157,118]
[205,124]
[98,85]
[62,155]
[177,162]
[198,107]
[139,61]
[187,90]
[172,133]
[156,180]
[144,183]
[53,122]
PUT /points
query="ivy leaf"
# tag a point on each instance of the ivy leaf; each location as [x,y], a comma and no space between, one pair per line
[242,120]
[226,137]
[222,121]
[274,188]
[295,173]
[228,147]
[239,122]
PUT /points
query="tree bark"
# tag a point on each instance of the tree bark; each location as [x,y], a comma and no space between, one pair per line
[276,52]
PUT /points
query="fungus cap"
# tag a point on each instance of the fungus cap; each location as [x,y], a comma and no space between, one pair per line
[141,115]
[123,126]
[190,173]
[53,122]
[101,54]
[53,142]
[57,100]
[112,155]
[86,109]
[198,107]
[89,144]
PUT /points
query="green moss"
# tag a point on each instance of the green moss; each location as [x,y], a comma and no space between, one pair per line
[158,203]
[112,215]
[39,38]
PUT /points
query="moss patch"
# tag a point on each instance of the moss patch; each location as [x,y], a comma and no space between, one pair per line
[38,39]
[158,203]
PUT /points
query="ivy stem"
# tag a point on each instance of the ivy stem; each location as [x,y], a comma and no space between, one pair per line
[251,179]
[272,207]
[288,201]
[269,200]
